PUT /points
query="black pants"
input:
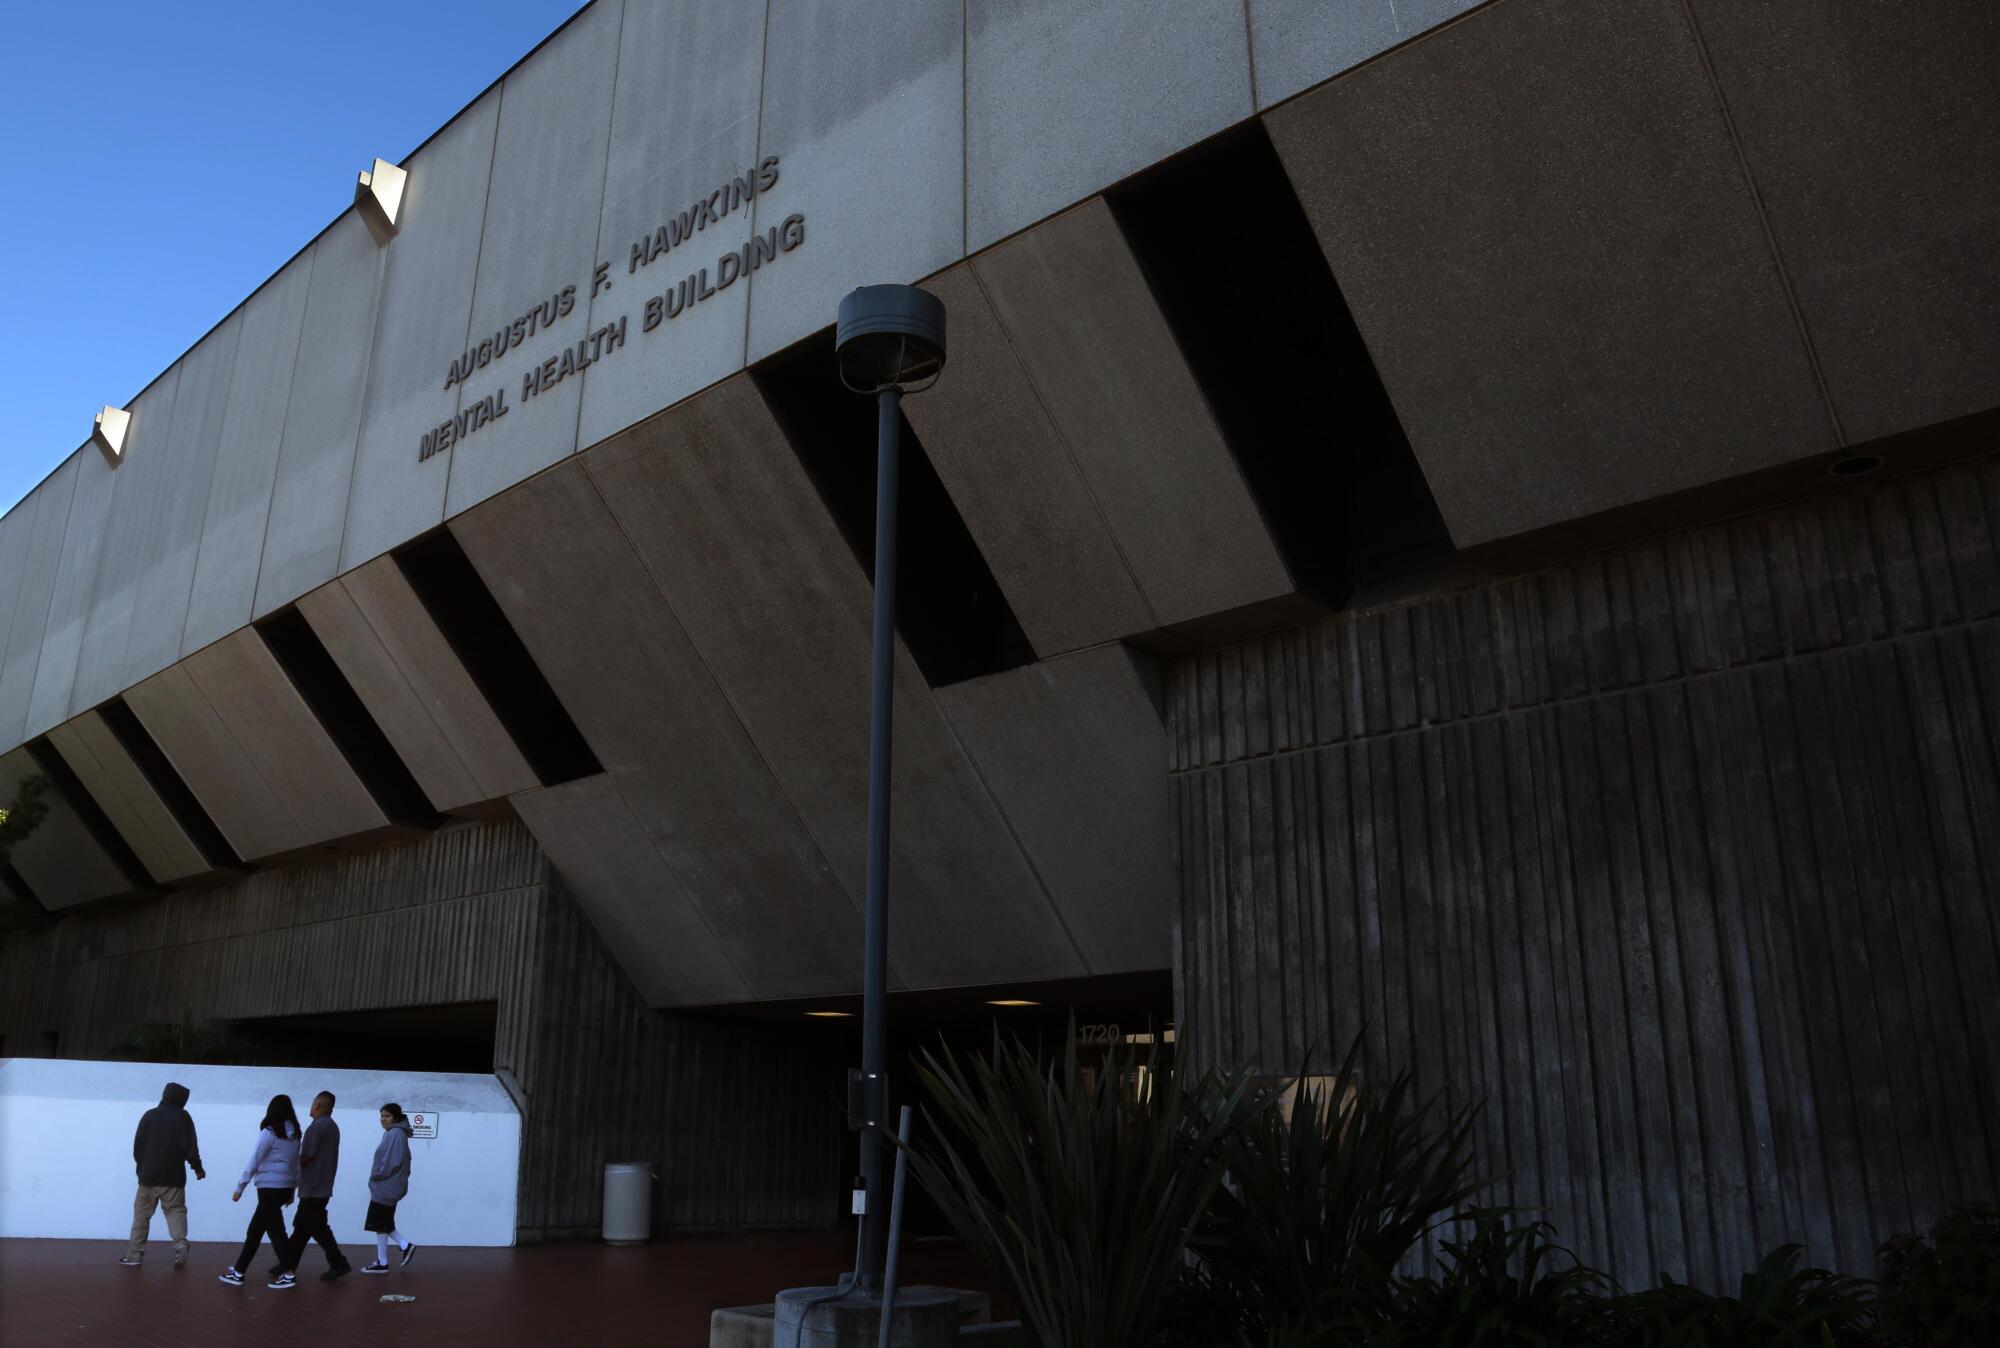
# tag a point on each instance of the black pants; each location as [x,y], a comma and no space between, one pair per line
[308,1226]
[268,1219]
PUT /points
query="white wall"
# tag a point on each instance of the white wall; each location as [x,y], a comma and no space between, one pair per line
[66,1148]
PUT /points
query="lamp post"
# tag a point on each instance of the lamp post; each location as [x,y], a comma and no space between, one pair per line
[889,341]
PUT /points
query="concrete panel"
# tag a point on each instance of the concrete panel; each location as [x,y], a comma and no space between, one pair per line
[1085,327]
[1625,334]
[127,535]
[1018,487]
[540,239]
[84,545]
[1298,43]
[173,524]
[48,506]
[608,865]
[421,326]
[60,861]
[1074,752]
[246,458]
[772,601]
[1064,98]
[652,712]
[405,672]
[316,458]
[121,790]
[17,536]
[230,787]
[684,121]
[280,735]
[1871,132]
[868,119]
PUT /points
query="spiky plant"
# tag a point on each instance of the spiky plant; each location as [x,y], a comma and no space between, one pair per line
[1327,1195]
[1078,1188]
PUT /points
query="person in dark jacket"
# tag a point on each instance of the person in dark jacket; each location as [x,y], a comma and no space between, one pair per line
[388,1182]
[162,1149]
[319,1157]
[274,1169]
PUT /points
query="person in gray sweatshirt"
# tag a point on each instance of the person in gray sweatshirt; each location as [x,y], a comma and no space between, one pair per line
[274,1169]
[388,1182]
[319,1158]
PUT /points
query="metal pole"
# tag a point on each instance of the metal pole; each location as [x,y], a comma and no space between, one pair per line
[895,1226]
[875,957]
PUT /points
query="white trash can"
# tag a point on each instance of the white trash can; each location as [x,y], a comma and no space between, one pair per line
[628,1202]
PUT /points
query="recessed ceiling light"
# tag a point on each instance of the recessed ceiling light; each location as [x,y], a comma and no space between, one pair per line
[831,1015]
[1011,1001]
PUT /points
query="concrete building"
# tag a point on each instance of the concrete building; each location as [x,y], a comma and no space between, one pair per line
[1476,522]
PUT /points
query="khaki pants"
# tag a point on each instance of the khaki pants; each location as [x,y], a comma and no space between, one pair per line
[173,1198]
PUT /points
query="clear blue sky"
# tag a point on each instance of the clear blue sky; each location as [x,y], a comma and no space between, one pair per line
[164,159]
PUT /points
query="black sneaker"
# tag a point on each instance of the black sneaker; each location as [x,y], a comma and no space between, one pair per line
[366,1268]
[232,1277]
[131,1261]
[282,1282]
[409,1253]
[336,1273]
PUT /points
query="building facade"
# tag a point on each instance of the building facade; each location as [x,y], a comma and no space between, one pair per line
[1471,526]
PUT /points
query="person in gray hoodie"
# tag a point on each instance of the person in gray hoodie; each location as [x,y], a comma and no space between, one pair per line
[162,1149]
[274,1169]
[388,1182]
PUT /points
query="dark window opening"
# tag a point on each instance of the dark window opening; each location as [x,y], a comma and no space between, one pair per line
[52,1043]
[406,1039]
[486,644]
[96,823]
[168,784]
[949,609]
[346,719]
[1234,264]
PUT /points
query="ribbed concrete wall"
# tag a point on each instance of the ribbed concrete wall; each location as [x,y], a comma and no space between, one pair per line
[735,1116]
[1681,857]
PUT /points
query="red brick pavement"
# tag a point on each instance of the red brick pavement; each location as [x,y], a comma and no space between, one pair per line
[62,1292]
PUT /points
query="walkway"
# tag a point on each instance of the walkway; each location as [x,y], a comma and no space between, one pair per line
[573,1296]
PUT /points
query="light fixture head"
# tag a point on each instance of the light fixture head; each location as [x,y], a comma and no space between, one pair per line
[889,336]
[108,433]
[378,195]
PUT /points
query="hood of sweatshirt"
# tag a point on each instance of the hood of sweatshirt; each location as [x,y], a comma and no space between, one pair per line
[175,1094]
[400,1126]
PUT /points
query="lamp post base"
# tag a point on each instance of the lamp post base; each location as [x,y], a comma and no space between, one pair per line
[925,1317]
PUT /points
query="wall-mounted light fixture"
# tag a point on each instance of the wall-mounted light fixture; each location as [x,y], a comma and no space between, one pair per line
[831,1015]
[1011,1001]
[108,432]
[378,194]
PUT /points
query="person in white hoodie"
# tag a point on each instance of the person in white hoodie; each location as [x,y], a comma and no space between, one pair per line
[388,1182]
[274,1170]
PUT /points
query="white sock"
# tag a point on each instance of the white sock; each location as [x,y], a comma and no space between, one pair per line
[381,1249]
[397,1236]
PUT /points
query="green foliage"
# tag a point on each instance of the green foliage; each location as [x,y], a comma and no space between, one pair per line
[1945,1290]
[1500,1286]
[1077,1188]
[1326,1198]
[185,1040]
[1778,1305]
[1185,1216]
[20,816]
